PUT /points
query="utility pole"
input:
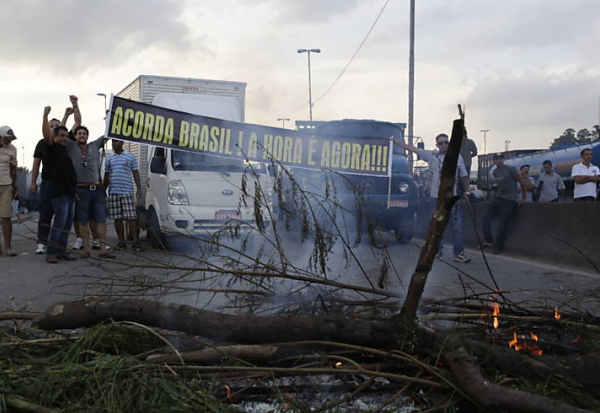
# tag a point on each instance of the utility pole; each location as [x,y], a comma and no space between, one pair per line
[411,81]
[485,131]
[23,152]
[506,145]
[308,52]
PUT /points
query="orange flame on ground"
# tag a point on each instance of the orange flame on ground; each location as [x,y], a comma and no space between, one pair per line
[556,313]
[339,364]
[496,308]
[229,392]
[514,343]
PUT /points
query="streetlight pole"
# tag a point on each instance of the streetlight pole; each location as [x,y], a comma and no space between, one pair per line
[411,80]
[105,108]
[283,121]
[309,51]
[485,131]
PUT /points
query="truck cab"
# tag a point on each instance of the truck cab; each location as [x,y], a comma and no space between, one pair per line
[195,193]
[392,202]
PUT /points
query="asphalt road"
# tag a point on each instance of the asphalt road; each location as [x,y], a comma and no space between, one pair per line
[29,283]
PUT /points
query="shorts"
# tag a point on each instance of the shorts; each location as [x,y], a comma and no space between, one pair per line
[121,206]
[6,198]
[91,205]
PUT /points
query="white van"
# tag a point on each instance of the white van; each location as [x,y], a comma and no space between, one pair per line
[197,194]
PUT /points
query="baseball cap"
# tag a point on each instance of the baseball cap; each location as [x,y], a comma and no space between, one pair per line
[7,132]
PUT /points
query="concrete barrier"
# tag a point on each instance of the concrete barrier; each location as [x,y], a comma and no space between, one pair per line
[541,231]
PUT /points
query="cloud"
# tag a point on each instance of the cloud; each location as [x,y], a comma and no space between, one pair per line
[71,35]
[535,107]
[312,11]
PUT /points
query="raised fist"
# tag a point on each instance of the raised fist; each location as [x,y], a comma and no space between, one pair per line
[47,110]
[69,111]
[73,99]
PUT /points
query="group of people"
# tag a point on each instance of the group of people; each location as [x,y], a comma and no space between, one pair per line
[72,190]
[513,188]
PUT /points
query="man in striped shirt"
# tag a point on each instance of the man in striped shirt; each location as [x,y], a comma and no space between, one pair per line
[119,170]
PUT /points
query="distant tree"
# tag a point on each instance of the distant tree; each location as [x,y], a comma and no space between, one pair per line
[584,135]
[22,169]
[567,138]
[595,132]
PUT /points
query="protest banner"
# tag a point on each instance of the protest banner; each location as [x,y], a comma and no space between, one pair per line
[142,123]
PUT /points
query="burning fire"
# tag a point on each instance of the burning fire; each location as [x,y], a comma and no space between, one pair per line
[338,364]
[496,308]
[229,392]
[556,313]
[518,346]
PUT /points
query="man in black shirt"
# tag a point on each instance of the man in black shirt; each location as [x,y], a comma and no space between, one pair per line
[63,189]
[45,205]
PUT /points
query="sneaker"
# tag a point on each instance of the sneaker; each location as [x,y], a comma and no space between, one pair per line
[137,247]
[121,246]
[41,249]
[96,245]
[78,244]
[461,257]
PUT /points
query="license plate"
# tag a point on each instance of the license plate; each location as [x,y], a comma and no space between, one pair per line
[398,203]
[227,215]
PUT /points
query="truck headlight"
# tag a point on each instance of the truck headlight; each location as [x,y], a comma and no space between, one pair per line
[403,187]
[176,194]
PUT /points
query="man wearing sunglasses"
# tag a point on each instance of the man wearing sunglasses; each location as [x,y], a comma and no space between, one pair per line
[435,159]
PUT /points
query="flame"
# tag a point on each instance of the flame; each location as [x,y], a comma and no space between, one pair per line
[514,343]
[229,392]
[556,313]
[576,339]
[339,364]
[496,308]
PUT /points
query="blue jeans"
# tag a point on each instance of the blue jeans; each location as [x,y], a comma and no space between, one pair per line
[64,207]
[505,211]
[46,212]
[458,238]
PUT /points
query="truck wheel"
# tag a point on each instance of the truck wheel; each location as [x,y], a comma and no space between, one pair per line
[157,238]
[405,227]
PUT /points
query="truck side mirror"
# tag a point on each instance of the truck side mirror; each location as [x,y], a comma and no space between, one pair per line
[157,165]
[421,145]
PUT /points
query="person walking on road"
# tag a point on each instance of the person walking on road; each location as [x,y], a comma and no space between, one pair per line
[550,184]
[8,185]
[120,168]
[435,159]
[586,177]
[63,189]
[504,204]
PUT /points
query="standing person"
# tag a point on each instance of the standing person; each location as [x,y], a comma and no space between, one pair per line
[524,170]
[504,205]
[8,184]
[550,184]
[119,170]
[91,206]
[63,189]
[45,199]
[435,159]
[468,151]
[586,177]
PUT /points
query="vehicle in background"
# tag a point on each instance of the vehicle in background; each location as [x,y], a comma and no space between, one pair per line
[193,193]
[399,215]
[485,165]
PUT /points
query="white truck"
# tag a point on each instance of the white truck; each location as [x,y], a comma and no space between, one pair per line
[192,193]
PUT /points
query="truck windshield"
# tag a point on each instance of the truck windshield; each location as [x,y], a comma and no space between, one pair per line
[190,161]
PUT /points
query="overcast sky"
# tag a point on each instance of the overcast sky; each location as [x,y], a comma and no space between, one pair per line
[525,69]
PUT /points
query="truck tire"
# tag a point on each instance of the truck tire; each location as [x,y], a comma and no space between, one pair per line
[405,227]
[157,238]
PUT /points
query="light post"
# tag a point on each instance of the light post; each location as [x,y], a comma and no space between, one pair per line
[105,108]
[283,121]
[485,131]
[309,51]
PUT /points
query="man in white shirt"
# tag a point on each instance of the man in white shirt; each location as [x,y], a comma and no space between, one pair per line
[8,184]
[586,177]
[435,159]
